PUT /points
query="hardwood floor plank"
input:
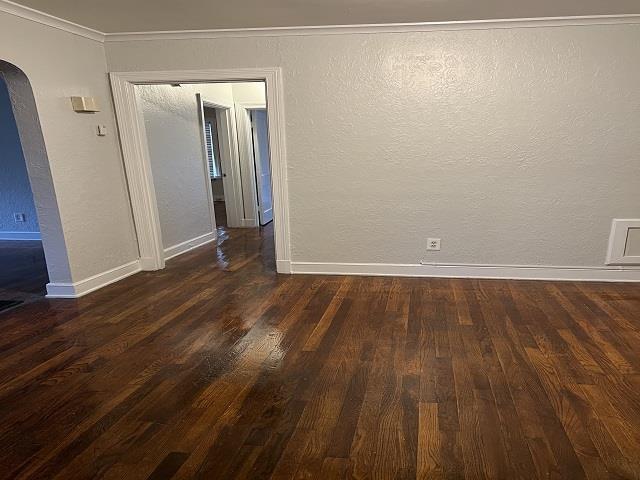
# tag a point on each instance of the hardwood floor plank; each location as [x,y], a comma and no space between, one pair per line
[430,460]
[169,466]
[342,435]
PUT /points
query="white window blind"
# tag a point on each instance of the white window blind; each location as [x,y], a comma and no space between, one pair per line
[214,165]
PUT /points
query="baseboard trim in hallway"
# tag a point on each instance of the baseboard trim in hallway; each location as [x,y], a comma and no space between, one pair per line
[188,245]
[93,283]
[504,272]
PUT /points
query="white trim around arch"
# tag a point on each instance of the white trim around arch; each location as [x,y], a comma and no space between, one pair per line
[137,160]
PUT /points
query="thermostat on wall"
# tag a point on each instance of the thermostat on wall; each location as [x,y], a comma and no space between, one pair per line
[84,104]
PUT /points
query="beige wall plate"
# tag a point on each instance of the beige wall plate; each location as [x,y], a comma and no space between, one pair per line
[84,104]
[624,242]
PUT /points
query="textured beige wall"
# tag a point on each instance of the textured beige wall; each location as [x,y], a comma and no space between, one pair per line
[87,171]
[249,92]
[175,147]
[514,146]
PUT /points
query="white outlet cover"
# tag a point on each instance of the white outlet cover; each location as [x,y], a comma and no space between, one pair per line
[433,244]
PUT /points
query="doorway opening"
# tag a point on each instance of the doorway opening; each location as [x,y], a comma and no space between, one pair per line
[24,272]
[213,154]
[210,161]
[262,164]
[32,247]
[240,183]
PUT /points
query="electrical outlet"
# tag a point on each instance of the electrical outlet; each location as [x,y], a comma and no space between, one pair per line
[433,244]
[19,217]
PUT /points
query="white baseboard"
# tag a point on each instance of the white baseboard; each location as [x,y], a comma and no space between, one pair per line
[184,247]
[283,266]
[148,264]
[516,272]
[20,236]
[91,284]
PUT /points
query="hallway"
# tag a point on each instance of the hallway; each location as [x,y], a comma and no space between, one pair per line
[23,275]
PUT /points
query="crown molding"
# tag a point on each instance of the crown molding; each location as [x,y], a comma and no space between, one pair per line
[632,19]
[49,20]
[12,8]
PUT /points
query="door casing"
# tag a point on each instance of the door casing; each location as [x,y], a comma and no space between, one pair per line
[137,162]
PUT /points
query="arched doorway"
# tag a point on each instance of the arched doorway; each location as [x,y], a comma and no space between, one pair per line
[27,123]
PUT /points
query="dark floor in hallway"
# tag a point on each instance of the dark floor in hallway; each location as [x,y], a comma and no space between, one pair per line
[23,271]
[218,368]
[220,209]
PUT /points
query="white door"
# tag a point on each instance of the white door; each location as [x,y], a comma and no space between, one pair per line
[263,165]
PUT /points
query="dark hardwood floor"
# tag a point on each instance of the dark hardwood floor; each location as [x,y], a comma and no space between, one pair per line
[217,368]
[23,270]
[220,209]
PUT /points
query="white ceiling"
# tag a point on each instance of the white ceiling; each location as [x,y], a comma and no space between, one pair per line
[112,16]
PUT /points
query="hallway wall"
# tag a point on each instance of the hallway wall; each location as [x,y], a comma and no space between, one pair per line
[15,189]
[85,219]
[175,147]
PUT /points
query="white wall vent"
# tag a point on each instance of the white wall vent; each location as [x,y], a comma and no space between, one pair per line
[624,242]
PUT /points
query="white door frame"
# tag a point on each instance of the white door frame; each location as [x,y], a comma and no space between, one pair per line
[247,163]
[229,160]
[258,159]
[205,158]
[135,151]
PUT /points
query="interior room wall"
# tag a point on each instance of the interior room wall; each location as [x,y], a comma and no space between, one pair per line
[215,92]
[515,146]
[15,190]
[91,204]
[175,146]
[249,92]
